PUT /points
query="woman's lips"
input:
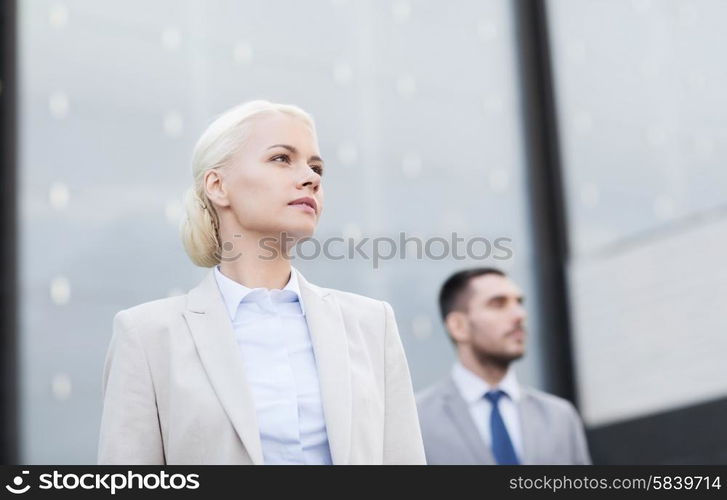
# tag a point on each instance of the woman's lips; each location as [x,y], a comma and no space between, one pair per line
[303,207]
[306,203]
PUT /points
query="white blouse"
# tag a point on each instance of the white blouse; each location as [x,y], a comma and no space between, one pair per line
[275,345]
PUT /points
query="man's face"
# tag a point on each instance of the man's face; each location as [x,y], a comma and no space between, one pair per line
[494,322]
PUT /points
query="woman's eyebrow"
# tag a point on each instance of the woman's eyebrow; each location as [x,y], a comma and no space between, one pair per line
[285,146]
[295,151]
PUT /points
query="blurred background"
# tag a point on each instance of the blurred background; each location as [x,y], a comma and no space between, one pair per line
[591,133]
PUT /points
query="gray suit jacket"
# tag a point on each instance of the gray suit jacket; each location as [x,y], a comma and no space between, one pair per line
[175,390]
[552,431]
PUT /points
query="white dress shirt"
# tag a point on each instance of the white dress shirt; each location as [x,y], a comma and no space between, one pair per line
[473,389]
[275,345]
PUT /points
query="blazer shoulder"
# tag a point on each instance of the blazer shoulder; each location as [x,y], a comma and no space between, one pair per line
[550,402]
[432,392]
[430,398]
[355,303]
[155,313]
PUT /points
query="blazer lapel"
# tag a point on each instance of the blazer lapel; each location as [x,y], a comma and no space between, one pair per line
[330,347]
[212,332]
[457,409]
[531,431]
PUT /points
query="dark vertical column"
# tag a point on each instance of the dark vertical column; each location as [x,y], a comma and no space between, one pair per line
[8,233]
[547,204]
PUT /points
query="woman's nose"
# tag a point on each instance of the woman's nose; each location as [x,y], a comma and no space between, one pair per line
[311,178]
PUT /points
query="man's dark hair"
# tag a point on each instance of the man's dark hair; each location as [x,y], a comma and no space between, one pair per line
[455,290]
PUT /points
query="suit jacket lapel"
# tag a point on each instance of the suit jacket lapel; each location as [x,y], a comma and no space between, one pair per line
[457,410]
[330,346]
[212,332]
[531,431]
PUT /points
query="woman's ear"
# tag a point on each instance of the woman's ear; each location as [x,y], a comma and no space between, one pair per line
[214,187]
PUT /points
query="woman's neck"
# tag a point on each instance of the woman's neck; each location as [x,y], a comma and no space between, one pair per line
[255,261]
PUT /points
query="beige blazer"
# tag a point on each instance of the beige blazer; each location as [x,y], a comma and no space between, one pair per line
[175,390]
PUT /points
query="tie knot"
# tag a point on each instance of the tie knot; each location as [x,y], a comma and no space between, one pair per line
[494,396]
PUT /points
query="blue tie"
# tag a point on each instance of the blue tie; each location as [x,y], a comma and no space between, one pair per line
[501,444]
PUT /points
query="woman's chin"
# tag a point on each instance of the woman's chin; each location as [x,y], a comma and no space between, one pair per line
[299,231]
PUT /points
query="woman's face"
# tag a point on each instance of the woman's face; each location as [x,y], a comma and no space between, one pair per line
[272,185]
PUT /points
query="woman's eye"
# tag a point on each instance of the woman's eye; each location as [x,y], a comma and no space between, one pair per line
[278,158]
[318,170]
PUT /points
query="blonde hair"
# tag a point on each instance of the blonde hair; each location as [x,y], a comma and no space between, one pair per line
[200,228]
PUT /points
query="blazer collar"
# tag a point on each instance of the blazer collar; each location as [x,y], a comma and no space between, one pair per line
[459,413]
[533,425]
[472,388]
[233,292]
[211,329]
[330,346]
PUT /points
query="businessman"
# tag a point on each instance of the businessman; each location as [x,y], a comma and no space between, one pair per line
[480,414]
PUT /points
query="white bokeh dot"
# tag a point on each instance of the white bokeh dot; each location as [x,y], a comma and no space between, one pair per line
[421,326]
[347,153]
[342,73]
[590,194]
[452,220]
[487,30]
[173,211]
[173,124]
[583,122]
[576,51]
[60,290]
[703,146]
[664,207]
[697,81]
[58,195]
[175,292]
[351,231]
[242,53]
[657,135]
[406,86]
[688,14]
[499,180]
[649,68]
[411,165]
[171,38]
[59,104]
[493,105]
[401,10]
[641,5]
[58,15]
[61,386]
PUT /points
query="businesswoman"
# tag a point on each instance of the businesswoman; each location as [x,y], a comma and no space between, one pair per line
[256,365]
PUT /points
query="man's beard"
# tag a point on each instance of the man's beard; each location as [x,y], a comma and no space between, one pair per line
[500,359]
